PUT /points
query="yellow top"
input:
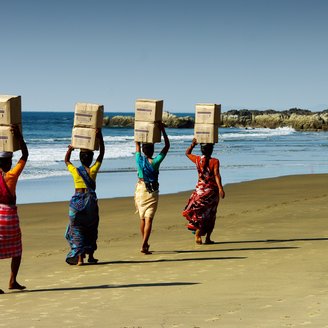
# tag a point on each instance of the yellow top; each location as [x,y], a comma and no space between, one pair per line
[78,181]
[11,176]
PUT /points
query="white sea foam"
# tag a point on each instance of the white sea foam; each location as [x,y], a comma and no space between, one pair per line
[257,133]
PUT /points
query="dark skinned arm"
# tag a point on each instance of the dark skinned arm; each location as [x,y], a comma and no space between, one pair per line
[101,146]
[22,143]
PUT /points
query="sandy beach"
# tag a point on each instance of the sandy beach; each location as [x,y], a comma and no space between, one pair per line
[268,267]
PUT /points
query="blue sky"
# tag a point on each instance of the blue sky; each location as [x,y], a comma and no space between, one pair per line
[240,53]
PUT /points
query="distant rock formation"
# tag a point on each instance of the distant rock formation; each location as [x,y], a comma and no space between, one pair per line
[299,119]
[119,121]
[173,121]
[170,120]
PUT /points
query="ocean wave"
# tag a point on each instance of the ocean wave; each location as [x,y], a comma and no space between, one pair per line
[32,175]
[47,155]
[257,133]
[48,140]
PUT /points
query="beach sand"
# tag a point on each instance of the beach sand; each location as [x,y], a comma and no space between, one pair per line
[268,268]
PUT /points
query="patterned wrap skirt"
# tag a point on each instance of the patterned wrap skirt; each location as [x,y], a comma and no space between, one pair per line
[201,208]
[145,202]
[10,233]
[82,230]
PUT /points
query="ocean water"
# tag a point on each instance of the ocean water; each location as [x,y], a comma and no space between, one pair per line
[245,154]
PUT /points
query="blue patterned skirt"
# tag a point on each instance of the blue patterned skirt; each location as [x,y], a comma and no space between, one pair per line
[82,230]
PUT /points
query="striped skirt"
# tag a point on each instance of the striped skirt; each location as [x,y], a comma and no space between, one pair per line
[10,233]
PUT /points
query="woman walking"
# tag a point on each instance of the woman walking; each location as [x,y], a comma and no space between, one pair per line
[82,230]
[10,233]
[203,202]
[146,193]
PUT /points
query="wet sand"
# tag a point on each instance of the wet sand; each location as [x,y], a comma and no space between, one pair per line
[268,267]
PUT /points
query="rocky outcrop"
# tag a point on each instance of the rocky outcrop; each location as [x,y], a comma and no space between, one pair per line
[299,119]
[173,121]
[170,120]
[119,121]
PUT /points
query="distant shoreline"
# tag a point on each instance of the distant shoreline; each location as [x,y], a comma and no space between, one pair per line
[298,119]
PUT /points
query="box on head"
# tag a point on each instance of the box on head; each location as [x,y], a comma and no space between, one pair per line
[88,118]
[89,115]
[207,121]
[10,114]
[147,113]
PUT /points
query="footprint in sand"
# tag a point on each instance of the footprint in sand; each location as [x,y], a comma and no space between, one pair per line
[213,319]
[281,300]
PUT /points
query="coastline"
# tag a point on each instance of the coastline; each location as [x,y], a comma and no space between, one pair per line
[121,185]
[265,270]
[298,119]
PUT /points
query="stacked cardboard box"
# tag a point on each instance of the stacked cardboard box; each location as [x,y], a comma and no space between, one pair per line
[207,121]
[10,113]
[147,112]
[87,119]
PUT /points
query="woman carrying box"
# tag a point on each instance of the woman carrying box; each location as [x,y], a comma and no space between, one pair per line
[146,193]
[10,233]
[82,230]
[203,202]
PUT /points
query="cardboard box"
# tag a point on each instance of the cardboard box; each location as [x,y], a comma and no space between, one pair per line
[206,133]
[10,110]
[84,138]
[148,110]
[208,113]
[88,115]
[8,142]
[146,132]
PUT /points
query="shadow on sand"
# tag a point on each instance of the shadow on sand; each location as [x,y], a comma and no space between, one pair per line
[63,289]
[272,241]
[172,260]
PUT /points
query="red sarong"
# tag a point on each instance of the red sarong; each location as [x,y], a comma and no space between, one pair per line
[10,233]
[203,202]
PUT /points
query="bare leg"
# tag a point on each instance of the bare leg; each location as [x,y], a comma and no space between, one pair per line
[209,232]
[80,260]
[142,227]
[198,237]
[146,226]
[15,264]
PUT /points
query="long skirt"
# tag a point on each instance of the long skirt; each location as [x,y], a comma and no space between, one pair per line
[201,208]
[10,233]
[145,202]
[82,230]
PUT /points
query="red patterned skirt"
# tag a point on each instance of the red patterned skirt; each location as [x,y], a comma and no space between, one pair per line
[201,208]
[10,233]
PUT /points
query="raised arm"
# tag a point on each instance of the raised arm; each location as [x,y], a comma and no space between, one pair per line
[166,138]
[101,146]
[191,147]
[22,144]
[138,148]
[68,155]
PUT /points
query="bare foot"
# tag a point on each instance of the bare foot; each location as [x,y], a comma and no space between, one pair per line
[145,249]
[16,285]
[80,260]
[92,260]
